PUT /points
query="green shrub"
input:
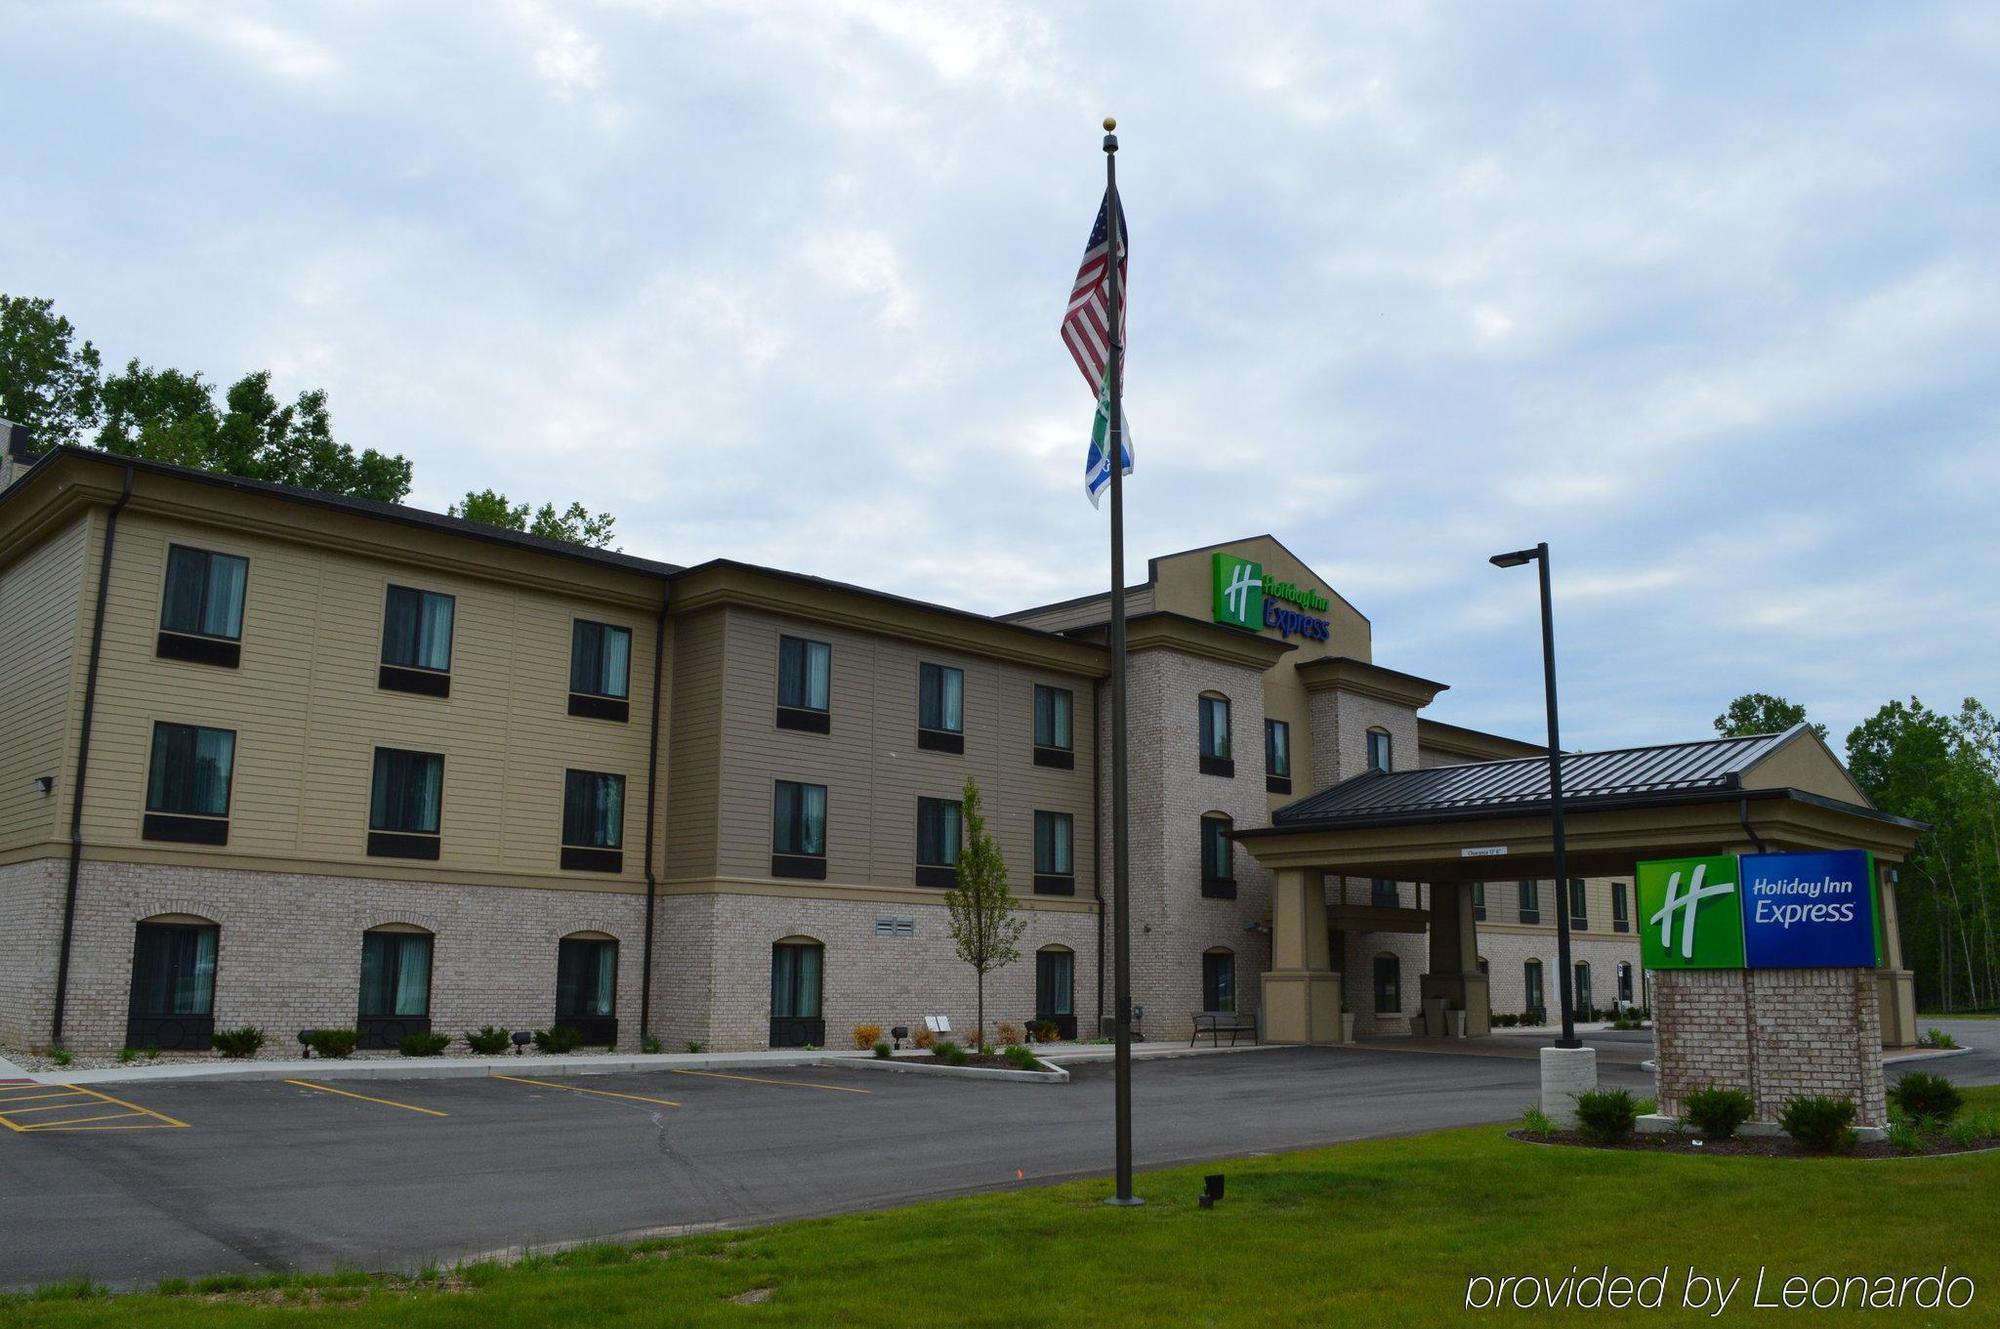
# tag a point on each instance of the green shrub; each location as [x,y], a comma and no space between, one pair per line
[558,1040]
[1504,1021]
[1538,1123]
[943,1046]
[489,1041]
[1606,1115]
[1937,1038]
[61,1055]
[126,1056]
[1021,1057]
[334,1043]
[1905,1136]
[424,1045]
[1920,1094]
[1823,1125]
[1985,1125]
[1962,1134]
[236,1044]
[1715,1112]
[882,1049]
[693,1047]
[651,1046]
[950,1053]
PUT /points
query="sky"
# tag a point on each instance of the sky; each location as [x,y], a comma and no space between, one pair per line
[1705,295]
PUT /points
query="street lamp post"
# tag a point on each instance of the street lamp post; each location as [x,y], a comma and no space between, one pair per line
[1540,555]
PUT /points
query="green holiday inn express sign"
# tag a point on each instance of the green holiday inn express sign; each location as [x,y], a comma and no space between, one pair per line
[1245,599]
[1760,911]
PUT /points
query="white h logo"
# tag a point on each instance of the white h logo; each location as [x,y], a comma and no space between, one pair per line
[1237,592]
[1684,905]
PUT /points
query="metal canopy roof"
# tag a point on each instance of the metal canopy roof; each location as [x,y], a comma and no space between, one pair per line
[1675,768]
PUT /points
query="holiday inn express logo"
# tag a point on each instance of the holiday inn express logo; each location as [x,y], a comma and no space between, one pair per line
[1691,913]
[1239,592]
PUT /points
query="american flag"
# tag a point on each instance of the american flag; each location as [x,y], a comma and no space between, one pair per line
[1086,325]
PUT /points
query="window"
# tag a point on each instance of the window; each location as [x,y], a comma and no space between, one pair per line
[600,667]
[795,994]
[404,808]
[1055,990]
[587,988]
[187,784]
[1625,982]
[1579,904]
[1277,757]
[172,1006]
[1388,985]
[1378,749]
[1581,992]
[798,830]
[1218,863]
[1531,984]
[1215,758]
[937,842]
[1055,869]
[1531,902]
[1382,893]
[201,610]
[1054,739]
[1621,916]
[805,685]
[593,829]
[1218,981]
[941,708]
[1479,901]
[395,986]
[416,642]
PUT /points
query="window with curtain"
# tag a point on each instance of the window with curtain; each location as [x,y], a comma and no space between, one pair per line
[805,674]
[795,980]
[1382,892]
[600,659]
[1579,903]
[204,593]
[416,629]
[1621,908]
[941,698]
[1215,728]
[593,809]
[190,770]
[1479,901]
[1580,993]
[938,832]
[1531,902]
[1053,708]
[1277,749]
[1531,983]
[173,970]
[1218,861]
[1055,984]
[395,975]
[409,792]
[1388,985]
[1378,750]
[1218,981]
[586,977]
[1052,844]
[798,819]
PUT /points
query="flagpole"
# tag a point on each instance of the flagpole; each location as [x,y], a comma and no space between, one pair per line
[1121,894]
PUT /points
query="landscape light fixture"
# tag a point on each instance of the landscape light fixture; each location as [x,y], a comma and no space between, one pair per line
[1211,1190]
[521,1040]
[305,1041]
[899,1033]
[1540,555]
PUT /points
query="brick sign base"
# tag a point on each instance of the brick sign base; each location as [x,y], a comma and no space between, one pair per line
[1772,1033]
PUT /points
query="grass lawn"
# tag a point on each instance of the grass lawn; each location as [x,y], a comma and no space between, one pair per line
[1376,1233]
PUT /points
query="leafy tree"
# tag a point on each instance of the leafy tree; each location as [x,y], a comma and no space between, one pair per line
[984,924]
[576,525]
[1761,713]
[47,382]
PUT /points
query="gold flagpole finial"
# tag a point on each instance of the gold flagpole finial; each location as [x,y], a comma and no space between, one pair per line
[1109,124]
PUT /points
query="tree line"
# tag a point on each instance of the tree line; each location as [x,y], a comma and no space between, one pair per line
[55,384]
[1943,768]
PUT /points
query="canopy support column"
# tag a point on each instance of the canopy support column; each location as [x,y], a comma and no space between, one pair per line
[1454,973]
[1301,992]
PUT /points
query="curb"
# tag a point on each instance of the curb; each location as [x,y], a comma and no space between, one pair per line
[1924,1054]
[439,1068]
[912,1066]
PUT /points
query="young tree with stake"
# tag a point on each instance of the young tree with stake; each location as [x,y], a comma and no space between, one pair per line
[984,924]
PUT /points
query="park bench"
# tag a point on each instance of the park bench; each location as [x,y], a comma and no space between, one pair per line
[1217,1023]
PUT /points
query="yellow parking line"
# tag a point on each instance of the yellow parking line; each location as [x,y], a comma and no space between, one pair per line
[79,1098]
[385,1102]
[29,1098]
[77,1121]
[578,1089]
[50,1107]
[143,1111]
[791,1084]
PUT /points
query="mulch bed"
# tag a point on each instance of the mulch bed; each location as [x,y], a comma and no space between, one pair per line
[991,1063]
[1754,1146]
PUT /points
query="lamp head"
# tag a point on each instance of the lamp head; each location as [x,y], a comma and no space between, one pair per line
[1515,559]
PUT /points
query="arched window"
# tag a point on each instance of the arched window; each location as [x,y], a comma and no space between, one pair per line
[1531,986]
[1484,967]
[1380,749]
[1218,859]
[1388,984]
[395,984]
[1580,993]
[796,967]
[1625,981]
[1055,989]
[587,987]
[1218,980]
[172,1006]
[1214,715]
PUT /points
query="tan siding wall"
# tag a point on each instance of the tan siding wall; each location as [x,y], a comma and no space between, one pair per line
[308,713]
[871,765]
[694,756]
[41,615]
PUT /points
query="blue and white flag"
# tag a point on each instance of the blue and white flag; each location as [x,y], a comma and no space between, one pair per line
[1097,465]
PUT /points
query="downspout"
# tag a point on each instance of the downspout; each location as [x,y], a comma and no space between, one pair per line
[1743,819]
[83,761]
[652,793]
[1097,842]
